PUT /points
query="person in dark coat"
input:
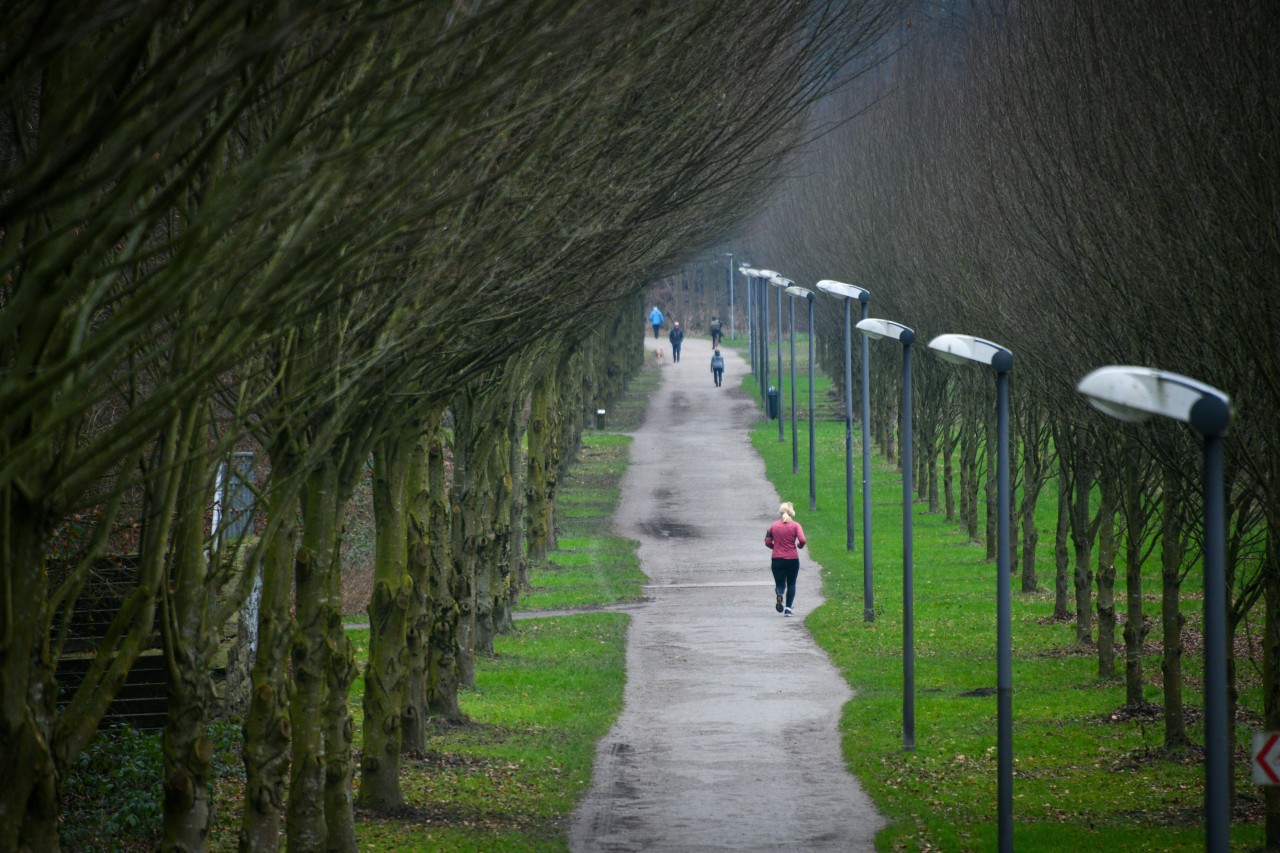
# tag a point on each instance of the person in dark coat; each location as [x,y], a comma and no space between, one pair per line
[676,336]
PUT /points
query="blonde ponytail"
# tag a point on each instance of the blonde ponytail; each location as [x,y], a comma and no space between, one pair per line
[787,510]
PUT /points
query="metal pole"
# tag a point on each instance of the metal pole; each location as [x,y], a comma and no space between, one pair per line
[1217,806]
[908,582]
[848,427]
[795,441]
[781,427]
[730,254]
[763,298]
[813,471]
[1004,664]
[868,600]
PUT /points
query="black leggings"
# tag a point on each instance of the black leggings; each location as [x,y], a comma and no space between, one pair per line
[785,573]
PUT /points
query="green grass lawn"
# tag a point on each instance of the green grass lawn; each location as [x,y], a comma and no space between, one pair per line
[509,779]
[590,567]
[1085,773]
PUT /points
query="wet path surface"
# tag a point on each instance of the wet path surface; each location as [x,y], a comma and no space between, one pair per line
[729,738]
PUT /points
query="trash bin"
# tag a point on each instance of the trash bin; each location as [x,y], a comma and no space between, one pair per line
[773,402]
[599,418]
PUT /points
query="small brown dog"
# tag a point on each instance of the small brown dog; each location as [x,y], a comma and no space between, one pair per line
[660,355]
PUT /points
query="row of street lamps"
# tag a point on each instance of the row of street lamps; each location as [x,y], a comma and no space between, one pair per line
[1127,393]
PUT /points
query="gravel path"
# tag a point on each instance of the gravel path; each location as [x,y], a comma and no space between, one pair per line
[728,739]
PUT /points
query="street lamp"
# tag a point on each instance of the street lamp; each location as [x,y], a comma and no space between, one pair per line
[764,277]
[874,328]
[960,349]
[1135,394]
[782,283]
[850,292]
[752,338]
[729,255]
[813,472]
[787,286]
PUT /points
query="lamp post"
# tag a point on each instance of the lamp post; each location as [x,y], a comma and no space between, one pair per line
[813,470]
[1135,394]
[729,255]
[781,283]
[752,336]
[763,278]
[850,292]
[787,284]
[873,328]
[960,349]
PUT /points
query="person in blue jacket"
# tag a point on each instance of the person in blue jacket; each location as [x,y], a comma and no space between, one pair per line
[655,319]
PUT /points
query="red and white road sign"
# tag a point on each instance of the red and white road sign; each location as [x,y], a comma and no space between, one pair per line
[1265,762]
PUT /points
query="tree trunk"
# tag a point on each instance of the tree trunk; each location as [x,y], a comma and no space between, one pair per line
[1135,627]
[341,670]
[268,729]
[1082,533]
[441,688]
[191,635]
[1171,618]
[464,544]
[1034,474]
[541,478]
[384,677]
[339,730]
[1061,557]
[931,464]
[989,486]
[310,659]
[1106,579]
[519,562]
[1030,540]
[419,617]
[969,479]
[948,473]
[29,797]
[480,538]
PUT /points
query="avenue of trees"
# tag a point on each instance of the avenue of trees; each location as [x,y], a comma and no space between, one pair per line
[1086,183]
[404,235]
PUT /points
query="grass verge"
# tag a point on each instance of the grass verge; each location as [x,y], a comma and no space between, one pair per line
[509,778]
[1088,773]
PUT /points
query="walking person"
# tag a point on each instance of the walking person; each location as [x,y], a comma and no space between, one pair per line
[717,367]
[715,330]
[676,337]
[785,538]
[655,320]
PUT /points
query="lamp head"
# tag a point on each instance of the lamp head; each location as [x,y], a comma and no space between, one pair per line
[796,290]
[873,327]
[961,348]
[846,291]
[779,280]
[1134,394]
